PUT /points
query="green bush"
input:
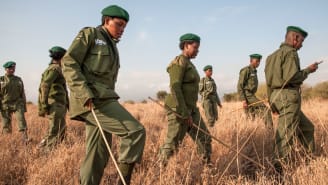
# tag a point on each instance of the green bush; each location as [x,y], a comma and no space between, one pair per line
[320,90]
[144,101]
[129,102]
[261,92]
[228,97]
[161,95]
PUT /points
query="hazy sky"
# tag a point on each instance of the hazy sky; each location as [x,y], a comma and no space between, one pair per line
[229,31]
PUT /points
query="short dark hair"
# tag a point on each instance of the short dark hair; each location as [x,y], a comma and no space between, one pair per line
[56,55]
[103,18]
[182,44]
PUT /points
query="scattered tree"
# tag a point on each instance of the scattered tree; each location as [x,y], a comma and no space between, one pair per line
[161,95]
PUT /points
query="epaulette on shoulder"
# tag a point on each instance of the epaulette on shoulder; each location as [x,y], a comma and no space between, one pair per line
[244,68]
[54,68]
[179,60]
[85,28]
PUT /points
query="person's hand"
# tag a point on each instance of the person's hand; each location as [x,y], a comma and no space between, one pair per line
[44,110]
[245,104]
[189,121]
[89,104]
[313,67]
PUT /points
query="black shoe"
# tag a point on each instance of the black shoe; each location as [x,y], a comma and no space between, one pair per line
[127,180]
[126,170]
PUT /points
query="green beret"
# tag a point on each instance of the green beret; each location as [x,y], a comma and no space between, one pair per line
[57,49]
[207,67]
[116,11]
[298,30]
[9,64]
[190,37]
[257,56]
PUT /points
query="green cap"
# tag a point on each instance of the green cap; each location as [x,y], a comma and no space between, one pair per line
[190,37]
[116,11]
[298,30]
[207,67]
[57,49]
[9,64]
[57,52]
[257,56]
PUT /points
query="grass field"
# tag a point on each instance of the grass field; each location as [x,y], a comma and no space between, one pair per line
[20,164]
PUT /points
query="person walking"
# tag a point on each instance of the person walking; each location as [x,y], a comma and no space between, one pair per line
[53,99]
[210,97]
[247,87]
[284,78]
[90,67]
[13,100]
[184,84]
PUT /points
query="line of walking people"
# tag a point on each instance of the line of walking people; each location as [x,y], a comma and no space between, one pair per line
[90,67]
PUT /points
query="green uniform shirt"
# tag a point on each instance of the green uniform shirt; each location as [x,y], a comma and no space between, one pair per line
[90,67]
[12,92]
[208,90]
[247,83]
[53,86]
[184,80]
[282,69]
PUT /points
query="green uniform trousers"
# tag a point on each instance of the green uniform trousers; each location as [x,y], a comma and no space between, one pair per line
[258,109]
[114,119]
[6,119]
[57,124]
[211,111]
[177,129]
[293,125]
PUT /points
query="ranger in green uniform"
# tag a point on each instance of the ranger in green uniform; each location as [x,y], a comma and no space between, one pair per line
[184,84]
[13,100]
[247,87]
[210,98]
[284,78]
[90,68]
[53,98]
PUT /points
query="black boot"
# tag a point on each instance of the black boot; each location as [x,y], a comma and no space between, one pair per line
[126,170]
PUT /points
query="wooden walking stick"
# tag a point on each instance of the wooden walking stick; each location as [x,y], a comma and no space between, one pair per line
[208,134]
[108,147]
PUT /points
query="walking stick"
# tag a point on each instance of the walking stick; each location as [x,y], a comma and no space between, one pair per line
[208,134]
[108,147]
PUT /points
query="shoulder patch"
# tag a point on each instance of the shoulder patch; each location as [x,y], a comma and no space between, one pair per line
[55,68]
[243,69]
[180,61]
[83,31]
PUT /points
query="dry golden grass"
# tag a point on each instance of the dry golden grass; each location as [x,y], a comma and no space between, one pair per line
[20,164]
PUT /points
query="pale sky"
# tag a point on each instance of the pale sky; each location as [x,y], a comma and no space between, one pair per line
[229,31]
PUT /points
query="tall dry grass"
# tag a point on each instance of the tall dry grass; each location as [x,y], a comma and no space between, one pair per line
[20,164]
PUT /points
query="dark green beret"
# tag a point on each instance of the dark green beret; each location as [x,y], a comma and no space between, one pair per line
[57,49]
[9,64]
[116,11]
[298,30]
[190,37]
[207,67]
[257,56]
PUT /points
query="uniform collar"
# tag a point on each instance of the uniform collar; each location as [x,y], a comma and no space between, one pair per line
[252,68]
[110,36]
[9,76]
[286,45]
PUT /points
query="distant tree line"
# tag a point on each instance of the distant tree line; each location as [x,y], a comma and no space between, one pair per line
[319,90]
